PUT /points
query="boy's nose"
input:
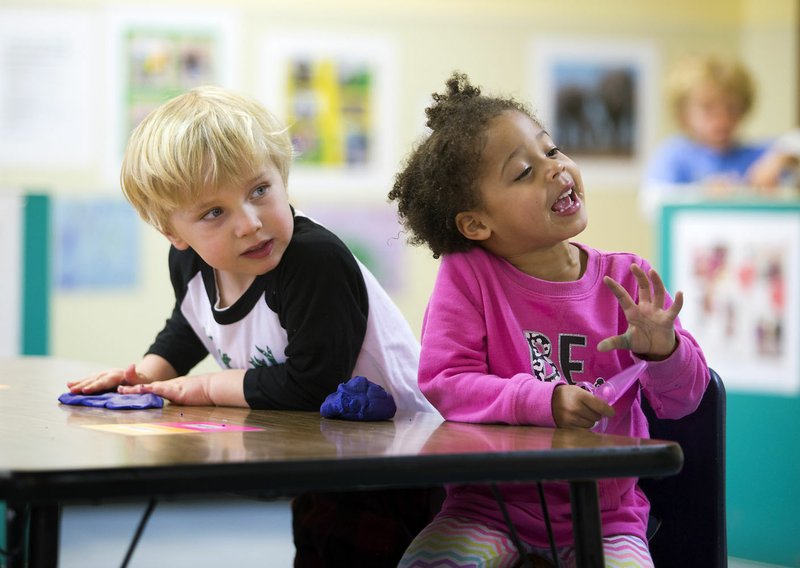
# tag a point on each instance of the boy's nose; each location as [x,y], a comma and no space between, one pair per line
[248,222]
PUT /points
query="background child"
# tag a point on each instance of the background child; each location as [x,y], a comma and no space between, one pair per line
[519,313]
[710,97]
[280,302]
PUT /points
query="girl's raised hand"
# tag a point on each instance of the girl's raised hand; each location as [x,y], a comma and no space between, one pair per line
[651,328]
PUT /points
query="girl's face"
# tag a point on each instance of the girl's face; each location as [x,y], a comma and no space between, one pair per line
[532,193]
[711,116]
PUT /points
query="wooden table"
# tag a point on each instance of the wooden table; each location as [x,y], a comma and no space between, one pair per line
[50,455]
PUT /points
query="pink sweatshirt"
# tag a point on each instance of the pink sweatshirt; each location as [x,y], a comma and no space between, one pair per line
[496,341]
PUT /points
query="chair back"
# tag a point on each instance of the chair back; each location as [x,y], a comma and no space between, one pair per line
[691,505]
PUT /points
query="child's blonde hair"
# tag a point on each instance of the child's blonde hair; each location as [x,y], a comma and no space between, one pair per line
[197,142]
[694,70]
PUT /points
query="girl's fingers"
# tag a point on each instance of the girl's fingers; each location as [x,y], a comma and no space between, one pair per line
[616,342]
[676,306]
[659,291]
[624,299]
[643,281]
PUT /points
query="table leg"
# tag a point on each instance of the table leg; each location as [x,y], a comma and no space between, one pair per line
[586,526]
[15,535]
[43,535]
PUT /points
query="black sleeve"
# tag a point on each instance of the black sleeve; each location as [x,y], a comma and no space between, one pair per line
[177,342]
[322,303]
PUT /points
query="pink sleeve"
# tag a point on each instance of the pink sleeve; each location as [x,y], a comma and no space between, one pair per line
[454,361]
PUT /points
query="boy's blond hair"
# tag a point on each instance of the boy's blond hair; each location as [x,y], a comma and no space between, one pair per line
[695,70]
[198,142]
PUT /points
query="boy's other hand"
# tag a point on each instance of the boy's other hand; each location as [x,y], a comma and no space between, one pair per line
[574,407]
[106,381]
[184,391]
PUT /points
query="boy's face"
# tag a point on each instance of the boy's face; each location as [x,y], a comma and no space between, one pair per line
[242,228]
[532,193]
[711,116]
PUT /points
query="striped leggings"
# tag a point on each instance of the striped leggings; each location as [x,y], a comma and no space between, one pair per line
[460,543]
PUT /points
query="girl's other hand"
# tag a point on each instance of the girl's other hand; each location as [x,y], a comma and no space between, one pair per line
[574,407]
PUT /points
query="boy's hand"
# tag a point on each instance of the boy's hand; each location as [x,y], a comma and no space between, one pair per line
[574,407]
[651,328]
[185,391]
[107,380]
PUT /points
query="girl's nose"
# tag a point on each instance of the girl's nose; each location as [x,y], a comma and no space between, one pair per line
[556,168]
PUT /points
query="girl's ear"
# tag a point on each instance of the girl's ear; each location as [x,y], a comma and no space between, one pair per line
[470,225]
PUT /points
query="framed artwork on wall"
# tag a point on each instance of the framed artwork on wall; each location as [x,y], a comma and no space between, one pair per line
[739,267]
[597,99]
[157,54]
[336,94]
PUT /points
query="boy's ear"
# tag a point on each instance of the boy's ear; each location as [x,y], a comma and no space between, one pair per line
[177,242]
[470,225]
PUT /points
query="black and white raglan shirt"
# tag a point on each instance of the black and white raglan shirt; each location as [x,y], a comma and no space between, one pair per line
[314,321]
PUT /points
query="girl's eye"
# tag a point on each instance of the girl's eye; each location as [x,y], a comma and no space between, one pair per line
[213,213]
[553,151]
[525,173]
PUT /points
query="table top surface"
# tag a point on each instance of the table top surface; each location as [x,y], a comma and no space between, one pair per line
[50,450]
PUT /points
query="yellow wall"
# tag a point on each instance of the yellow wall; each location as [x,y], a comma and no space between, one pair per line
[487,39]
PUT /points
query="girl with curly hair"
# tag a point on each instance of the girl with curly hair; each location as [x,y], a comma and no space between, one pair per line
[519,314]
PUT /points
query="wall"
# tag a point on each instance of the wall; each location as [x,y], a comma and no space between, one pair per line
[487,39]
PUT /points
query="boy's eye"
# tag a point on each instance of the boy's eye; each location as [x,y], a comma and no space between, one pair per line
[213,213]
[260,191]
[553,151]
[524,173]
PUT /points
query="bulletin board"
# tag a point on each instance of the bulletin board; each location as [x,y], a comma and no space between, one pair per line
[738,265]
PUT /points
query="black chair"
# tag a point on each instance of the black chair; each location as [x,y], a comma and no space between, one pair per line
[690,506]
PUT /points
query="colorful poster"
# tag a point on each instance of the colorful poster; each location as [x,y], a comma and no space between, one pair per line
[337,96]
[738,270]
[163,64]
[158,53]
[329,110]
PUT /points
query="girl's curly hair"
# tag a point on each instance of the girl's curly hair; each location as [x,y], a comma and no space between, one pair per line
[440,176]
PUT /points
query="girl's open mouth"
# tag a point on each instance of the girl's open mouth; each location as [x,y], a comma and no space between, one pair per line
[567,203]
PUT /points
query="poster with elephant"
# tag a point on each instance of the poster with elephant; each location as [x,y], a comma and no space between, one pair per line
[596,98]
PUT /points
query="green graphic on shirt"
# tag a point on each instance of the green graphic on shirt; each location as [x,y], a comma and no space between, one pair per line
[224,358]
[267,361]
